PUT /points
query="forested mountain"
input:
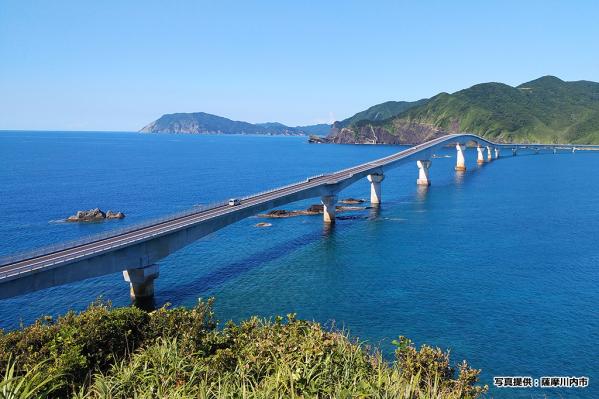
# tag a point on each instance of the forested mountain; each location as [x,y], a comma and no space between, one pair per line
[546,110]
[379,112]
[201,122]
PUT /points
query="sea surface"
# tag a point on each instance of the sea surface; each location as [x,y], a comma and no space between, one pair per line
[500,265]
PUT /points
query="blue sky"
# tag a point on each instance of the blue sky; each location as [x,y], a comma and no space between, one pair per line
[117,65]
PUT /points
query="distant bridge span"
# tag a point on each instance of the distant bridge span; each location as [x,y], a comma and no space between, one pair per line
[136,251]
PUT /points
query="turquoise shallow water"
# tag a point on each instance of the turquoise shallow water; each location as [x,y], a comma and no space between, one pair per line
[499,265]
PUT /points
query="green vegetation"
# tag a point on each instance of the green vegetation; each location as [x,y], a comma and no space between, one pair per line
[179,353]
[321,129]
[201,122]
[380,112]
[545,110]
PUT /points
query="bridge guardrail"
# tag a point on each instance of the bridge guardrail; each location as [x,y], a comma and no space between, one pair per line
[48,249]
[250,196]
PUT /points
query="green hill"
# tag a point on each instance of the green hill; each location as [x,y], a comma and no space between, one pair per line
[321,129]
[204,123]
[380,112]
[545,110]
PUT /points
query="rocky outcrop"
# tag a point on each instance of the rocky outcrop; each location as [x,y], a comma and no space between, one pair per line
[313,139]
[315,209]
[94,215]
[400,132]
[114,215]
[263,224]
[282,213]
[351,201]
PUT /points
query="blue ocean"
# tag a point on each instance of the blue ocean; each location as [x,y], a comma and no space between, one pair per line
[499,265]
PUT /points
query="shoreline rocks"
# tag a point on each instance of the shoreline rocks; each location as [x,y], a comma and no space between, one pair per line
[313,139]
[94,215]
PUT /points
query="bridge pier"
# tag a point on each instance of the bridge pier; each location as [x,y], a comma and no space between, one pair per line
[460,164]
[328,202]
[480,157]
[489,155]
[514,152]
[147,245]
[141,281]
[496,152]
[423,167]
[375,180]
[554,150]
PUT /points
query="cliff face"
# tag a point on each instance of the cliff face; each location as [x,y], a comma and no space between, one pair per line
[402,133]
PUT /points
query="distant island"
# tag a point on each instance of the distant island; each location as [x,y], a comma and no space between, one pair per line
[204,123]
[545,110]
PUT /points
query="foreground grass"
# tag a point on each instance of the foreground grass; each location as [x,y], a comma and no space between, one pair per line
[179,353]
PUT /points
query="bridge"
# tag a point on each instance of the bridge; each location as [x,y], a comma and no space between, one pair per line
[136,251]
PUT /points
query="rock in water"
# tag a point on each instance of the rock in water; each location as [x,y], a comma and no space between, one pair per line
[352,201]
[316,208]
[313,139]
[262,224]
[278,213]
[114,215]
[94,215]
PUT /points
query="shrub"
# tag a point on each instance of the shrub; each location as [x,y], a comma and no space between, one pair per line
[190,327]
[432,366]
[263,359]
[178,353]
[74,346]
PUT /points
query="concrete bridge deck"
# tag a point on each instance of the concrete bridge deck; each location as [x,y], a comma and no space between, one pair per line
[136,252]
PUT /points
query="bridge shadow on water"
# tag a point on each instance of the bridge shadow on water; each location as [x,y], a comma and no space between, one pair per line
[208,282]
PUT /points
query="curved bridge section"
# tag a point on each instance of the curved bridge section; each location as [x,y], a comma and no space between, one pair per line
[136,252]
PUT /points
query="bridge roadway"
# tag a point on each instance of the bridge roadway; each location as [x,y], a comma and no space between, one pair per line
[141,248]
